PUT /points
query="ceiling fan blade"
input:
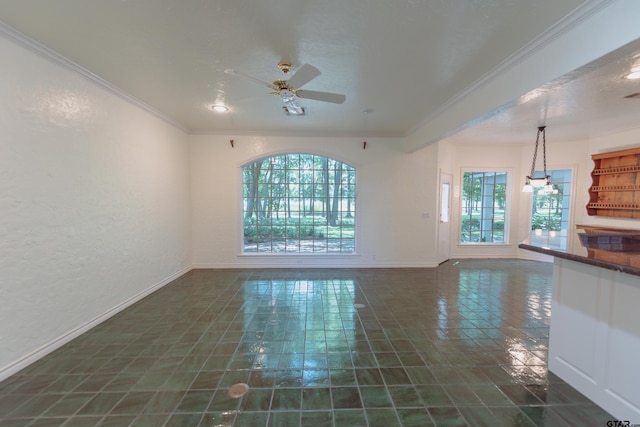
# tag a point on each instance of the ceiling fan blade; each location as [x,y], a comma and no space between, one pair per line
[304,75]
[335,98]
[248,77]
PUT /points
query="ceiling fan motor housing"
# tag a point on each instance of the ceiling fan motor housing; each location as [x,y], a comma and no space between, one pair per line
[285,67]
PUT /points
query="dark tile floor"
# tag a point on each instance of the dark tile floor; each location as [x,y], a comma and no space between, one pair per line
[464,344]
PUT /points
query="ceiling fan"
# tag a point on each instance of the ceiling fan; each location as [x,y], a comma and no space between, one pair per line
[290,89]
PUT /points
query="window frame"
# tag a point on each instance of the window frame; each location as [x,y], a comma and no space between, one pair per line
[326,241]
[545,238]
[508,173]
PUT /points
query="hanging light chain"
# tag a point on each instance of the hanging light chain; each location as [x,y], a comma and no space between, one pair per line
[535,155]
[531,181]
[541,129]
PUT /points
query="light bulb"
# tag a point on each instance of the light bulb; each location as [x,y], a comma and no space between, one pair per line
[219,108]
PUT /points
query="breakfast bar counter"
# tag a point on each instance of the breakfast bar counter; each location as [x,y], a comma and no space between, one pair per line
[594,341]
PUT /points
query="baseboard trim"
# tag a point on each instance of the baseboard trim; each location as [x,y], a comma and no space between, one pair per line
[58,342]
[310,264]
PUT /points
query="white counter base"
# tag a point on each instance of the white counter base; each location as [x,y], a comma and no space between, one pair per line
[594,342]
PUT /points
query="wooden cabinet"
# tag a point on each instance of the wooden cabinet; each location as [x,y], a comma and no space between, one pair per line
[615,188]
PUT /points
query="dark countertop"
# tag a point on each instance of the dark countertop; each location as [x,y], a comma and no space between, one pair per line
[590,259]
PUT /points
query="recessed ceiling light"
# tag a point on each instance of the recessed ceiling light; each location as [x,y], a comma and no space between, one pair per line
[634,75]
[219,108]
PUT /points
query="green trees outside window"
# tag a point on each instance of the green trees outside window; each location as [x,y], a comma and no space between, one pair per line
[484,201]
[550,212]
[298,203]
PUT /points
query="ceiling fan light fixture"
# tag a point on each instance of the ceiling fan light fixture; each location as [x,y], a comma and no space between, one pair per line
[293,110]
[290,106]
[289,90]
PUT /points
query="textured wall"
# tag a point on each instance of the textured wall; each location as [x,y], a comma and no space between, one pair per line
[94,203]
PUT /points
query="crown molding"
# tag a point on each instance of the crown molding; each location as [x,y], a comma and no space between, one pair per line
[43,51]
[297,133]
[565,25]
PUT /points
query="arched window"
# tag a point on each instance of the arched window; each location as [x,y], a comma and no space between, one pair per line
[298,203]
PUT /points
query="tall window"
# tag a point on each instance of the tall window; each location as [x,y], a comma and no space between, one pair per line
[550,212]
[483,207]
[298,203]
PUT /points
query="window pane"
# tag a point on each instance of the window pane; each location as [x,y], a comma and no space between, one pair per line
[298,203]
[550,212]
[444,208]
[483,207]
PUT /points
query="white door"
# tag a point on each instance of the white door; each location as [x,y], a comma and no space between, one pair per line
[444,226]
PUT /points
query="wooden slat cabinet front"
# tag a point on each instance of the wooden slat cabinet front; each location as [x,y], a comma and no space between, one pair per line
[615,188]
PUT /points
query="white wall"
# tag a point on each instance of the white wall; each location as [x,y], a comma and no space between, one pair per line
[395,200]
[101,201]
[396,191]
[486,157]
[94,204]
[560,155]
[574,155]
[517,160]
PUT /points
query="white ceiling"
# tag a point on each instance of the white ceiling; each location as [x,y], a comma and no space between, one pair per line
[401,59]
[585,103]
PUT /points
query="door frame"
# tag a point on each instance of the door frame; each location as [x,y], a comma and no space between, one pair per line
[443,246]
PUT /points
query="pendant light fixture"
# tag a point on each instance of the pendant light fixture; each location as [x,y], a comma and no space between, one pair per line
[543,182]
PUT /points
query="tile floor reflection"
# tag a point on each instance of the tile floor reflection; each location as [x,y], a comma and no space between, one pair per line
[464,344]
